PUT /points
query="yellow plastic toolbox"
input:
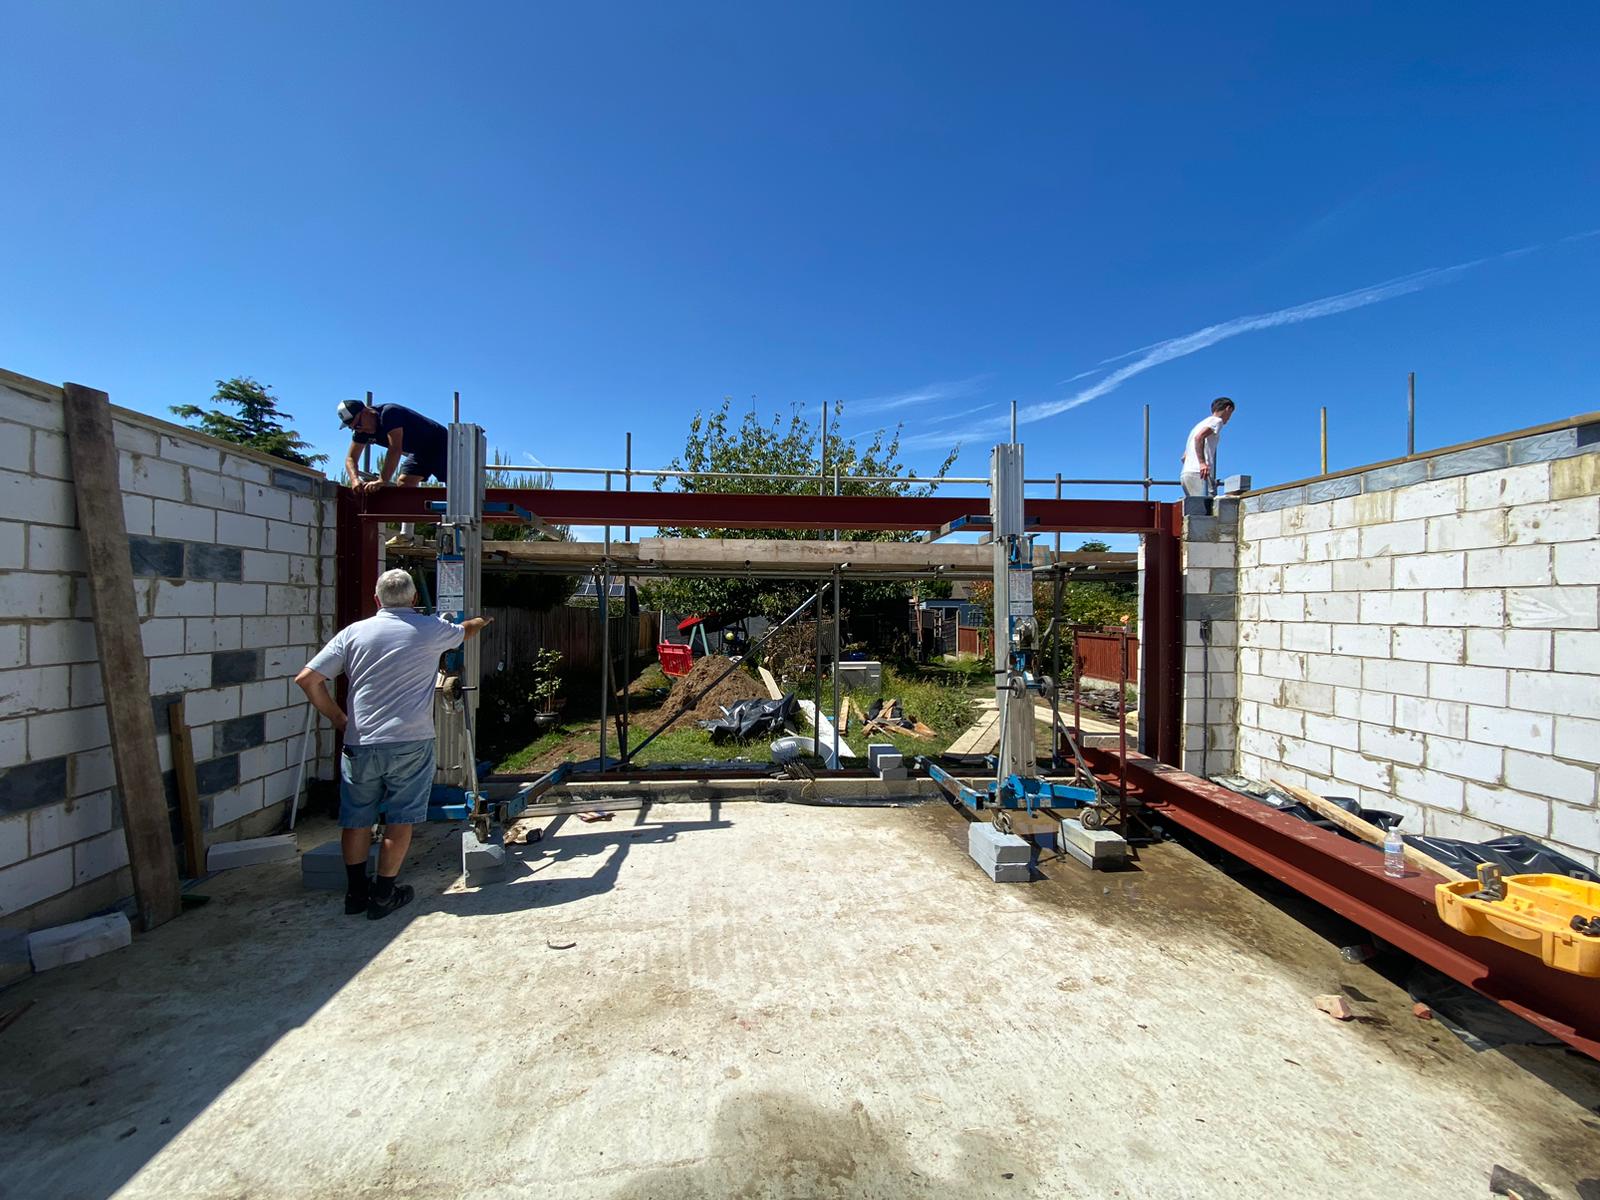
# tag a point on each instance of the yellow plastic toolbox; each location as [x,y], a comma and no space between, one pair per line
[1535,917]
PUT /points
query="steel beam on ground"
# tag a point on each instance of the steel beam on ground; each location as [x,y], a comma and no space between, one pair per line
[1349,878]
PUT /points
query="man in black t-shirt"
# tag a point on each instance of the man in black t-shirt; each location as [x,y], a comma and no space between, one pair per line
[415,447]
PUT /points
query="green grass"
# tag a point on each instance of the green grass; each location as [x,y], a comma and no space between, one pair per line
[519,761]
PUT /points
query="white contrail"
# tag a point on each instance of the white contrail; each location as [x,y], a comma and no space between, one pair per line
[1162,352]
[950,390]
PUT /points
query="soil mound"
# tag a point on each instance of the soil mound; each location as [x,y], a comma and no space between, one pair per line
[689,695]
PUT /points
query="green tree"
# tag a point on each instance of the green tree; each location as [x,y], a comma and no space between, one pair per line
[258,423]
[764,453]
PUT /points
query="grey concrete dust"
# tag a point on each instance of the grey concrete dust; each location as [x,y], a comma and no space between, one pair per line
[759,1000]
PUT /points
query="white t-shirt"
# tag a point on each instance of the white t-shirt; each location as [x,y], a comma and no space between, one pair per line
[1212,425]
[391,659]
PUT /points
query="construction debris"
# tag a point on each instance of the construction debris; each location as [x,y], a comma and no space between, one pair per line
[1336,1007]
[251,852]
[49,948]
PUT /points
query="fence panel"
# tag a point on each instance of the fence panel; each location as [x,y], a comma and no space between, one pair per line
[1101,656]
[516,635]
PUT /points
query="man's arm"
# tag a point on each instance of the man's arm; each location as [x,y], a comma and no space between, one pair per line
[391,460]
[315,685]
[473,625]
[1200,437]
[352,463]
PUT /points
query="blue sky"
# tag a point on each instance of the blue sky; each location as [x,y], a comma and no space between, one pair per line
[592,219]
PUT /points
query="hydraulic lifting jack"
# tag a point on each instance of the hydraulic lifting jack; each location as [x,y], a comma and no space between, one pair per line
[1017,784]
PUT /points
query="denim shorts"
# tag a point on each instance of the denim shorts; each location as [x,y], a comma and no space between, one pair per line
[394,777]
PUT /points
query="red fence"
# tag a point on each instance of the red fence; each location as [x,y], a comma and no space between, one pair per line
[1100,656]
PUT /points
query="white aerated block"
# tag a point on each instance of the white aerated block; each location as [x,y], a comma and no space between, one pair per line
[251,852]
[82,939]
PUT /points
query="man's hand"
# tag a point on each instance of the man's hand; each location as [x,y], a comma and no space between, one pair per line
[473,625]
[370,485]
[315,685]
[1205,471]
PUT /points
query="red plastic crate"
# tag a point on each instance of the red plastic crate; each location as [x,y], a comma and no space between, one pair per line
[675,660]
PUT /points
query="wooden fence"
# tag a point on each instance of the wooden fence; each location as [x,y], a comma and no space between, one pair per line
[1100,656]
[517,635]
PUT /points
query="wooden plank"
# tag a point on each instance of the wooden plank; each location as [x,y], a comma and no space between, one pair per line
[1365,830]
[983,737]
[194,841]
[774,692]
[124,673]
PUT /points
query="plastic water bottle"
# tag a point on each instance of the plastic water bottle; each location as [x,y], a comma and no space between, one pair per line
[1394,853]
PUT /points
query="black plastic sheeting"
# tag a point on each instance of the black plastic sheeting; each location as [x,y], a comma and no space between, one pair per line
[751,718]
[1515,854]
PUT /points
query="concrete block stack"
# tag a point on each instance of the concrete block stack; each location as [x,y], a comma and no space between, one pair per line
[1426,637]
[1004,857]
[232,562]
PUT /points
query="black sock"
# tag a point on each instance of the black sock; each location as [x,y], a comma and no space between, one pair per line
[383,886]
[356,878]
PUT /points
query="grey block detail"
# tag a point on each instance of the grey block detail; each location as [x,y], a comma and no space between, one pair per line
[890,761]
[985,842]
[1224,581]
[1588,435]
[156,557]
[160,708]
[1209,608]
[1233,484]
[235,666]
[1196,506]
[80,940]
[217,774]
[240,733]
[290,481]
[1009,873]
[1469,462]
[893,773]
[1563,443]
[1385,479]
[1099,845]
[14,961]
[251,852]
[483,862]
[1202,529]
[322,868]
[876,748]
[1333,489]
[1228,509]
[222,563]
[1272,501]
[31,785]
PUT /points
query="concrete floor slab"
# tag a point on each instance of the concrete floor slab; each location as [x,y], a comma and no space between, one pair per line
[759,1000]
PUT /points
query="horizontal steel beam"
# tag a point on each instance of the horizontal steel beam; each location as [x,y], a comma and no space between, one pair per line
[707,510]
[1348,878]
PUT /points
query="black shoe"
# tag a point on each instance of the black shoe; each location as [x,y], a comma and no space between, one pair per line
[354,906]
[399,898]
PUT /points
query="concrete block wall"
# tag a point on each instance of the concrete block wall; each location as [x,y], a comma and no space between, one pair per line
[232,557]
[1210,560]
[1426,637]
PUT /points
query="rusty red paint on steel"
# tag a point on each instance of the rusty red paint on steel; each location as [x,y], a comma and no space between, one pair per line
[1348,878]
[571,506]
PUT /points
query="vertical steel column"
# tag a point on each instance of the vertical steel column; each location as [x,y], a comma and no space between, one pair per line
[459,594]
[1147,452]
[1411,413]
[822,490]
[836,718]
[627,610]
[1163,634]
[603,586]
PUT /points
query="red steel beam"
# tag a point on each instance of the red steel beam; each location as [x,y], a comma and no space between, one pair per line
[708,510]
[1348,878]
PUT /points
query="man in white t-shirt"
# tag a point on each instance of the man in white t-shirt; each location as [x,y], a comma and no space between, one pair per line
[391,660]
[1200,451]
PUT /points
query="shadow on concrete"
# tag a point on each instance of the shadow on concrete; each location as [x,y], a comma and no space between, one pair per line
[782,1145]
[119,1054]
